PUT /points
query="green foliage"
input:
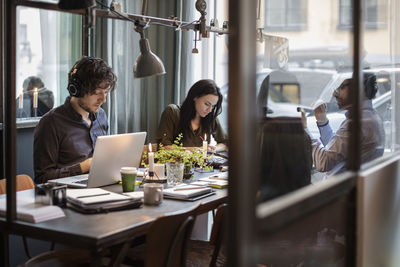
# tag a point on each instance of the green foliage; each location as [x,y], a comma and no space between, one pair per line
[177,153]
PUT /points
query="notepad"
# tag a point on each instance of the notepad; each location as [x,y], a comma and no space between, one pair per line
[187,192]
[29,211]
[90,196]
[222,176]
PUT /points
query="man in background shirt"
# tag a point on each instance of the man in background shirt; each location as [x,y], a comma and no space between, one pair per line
[331,155]
[65,137]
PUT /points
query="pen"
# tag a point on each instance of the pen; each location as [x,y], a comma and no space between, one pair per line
[97,195]
[216,177]
[189,188]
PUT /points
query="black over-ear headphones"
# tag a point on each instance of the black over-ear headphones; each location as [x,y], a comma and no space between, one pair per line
[74,82]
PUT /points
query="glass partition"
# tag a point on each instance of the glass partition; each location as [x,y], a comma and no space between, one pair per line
[48,43]
[319,237]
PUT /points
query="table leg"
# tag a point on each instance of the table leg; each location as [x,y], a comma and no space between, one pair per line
[95,257]
[4,247]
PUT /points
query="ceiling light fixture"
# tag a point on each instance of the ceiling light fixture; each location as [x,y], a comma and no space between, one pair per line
[147,63]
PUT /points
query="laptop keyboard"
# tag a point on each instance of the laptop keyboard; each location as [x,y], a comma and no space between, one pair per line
[81,182]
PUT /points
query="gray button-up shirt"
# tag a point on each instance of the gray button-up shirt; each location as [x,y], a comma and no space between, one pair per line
[331,155]
[63,140]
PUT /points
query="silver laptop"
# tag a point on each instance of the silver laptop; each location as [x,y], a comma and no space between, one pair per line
[110,154]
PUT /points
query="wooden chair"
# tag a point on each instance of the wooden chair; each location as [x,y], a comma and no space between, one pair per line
[166,242]
[203,253]
[165,246]
[24,182]
[60,258]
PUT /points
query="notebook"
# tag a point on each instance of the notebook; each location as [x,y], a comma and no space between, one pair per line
[110,154]
[98,200]
[188,192]
[28,210]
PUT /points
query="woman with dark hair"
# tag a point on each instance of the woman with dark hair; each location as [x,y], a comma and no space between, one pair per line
[195,118]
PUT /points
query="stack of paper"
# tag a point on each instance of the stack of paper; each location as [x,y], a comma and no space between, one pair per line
[28,210]
[188,192]
[219,180]
[93,198]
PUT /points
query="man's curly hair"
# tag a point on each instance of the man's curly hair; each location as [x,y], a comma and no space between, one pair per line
[92,72]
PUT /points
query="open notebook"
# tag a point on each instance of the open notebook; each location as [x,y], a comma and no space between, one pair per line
[29,211]
[96,200]
[188,192]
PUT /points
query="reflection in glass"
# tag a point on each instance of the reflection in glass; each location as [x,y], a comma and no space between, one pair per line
[35,99]
[48,42]
[285,153]
[321,238]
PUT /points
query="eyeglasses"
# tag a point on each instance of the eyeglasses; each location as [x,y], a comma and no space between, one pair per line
[341,87]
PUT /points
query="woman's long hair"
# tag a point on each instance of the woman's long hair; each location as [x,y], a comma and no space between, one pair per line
[188,109]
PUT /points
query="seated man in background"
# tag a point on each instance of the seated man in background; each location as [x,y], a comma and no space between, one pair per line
[331,155]
[44,101]
[65,137]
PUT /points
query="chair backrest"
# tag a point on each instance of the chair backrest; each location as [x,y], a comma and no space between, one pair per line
[286,156]
[166,239]
[24,182]
[217,230]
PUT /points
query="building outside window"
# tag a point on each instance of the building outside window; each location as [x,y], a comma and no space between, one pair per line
[286,15]
[374,14]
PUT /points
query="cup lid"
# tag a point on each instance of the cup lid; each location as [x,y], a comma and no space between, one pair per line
[129,170]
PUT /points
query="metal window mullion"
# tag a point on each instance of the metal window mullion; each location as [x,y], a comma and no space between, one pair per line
[354,159]
[9,129]
[243,165]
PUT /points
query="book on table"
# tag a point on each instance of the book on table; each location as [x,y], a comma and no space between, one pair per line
[100,200]
[188,192]
[29,211]
[219,180]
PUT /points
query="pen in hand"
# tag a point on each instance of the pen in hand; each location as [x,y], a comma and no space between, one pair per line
[97,195]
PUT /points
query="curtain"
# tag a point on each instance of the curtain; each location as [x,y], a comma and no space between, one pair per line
[137,104]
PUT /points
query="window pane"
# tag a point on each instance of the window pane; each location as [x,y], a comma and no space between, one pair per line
[285,15]
[47,44]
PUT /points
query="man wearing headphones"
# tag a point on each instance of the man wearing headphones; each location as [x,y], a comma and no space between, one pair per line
[331,155]
[65,137]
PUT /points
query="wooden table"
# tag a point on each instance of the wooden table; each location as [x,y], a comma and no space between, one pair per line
[99,231]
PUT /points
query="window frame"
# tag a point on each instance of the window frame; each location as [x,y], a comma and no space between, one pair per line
[287,26]
[380,23]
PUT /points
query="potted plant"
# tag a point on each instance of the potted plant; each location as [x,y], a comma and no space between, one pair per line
[176,157]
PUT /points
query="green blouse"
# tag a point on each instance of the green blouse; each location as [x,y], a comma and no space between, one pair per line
[168,130]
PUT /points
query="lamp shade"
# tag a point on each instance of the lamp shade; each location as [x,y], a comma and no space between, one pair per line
[147,64]
[75,4]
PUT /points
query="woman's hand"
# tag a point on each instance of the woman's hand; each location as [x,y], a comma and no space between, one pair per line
[221,147]
[211,149]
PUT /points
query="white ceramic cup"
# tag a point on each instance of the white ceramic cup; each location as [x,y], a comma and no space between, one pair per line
[159,170]
[153,193]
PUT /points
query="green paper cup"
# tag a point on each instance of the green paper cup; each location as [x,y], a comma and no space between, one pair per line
[128,177]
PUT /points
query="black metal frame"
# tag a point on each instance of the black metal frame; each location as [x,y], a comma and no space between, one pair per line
[242,118]
[242,160]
